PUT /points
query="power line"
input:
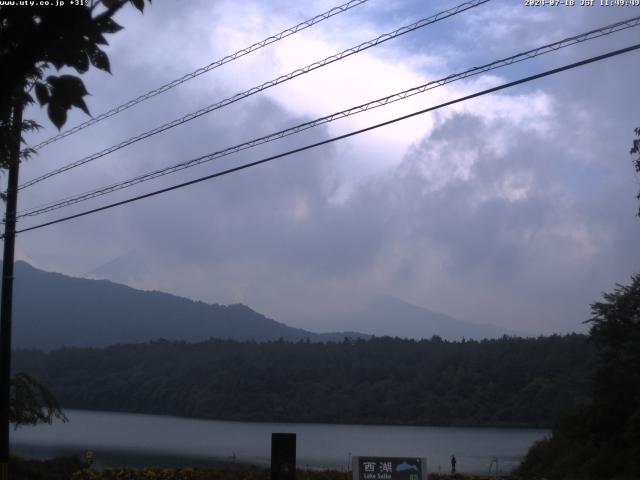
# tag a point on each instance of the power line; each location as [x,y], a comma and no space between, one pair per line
[218,63]
[340,137]
[281,79]
[552,47]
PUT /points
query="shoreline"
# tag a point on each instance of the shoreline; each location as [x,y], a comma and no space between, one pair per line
[114,460]
[506,426]
[71,467]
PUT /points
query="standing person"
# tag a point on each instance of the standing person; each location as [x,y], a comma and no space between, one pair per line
[453,464]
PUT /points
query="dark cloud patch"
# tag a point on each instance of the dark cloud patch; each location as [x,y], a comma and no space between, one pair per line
[278,211]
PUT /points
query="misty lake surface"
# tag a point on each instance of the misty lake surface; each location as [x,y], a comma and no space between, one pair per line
[152,440]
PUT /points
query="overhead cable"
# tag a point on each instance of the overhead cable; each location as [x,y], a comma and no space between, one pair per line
[207,68]
[340,137]
[252,91]
[551,47]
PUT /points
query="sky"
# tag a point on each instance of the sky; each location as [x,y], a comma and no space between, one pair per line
[516,208]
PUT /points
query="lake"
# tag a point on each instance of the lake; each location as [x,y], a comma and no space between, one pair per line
[120,439]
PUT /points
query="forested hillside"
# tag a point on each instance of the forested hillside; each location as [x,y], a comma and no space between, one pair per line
[506,382]
[54,310]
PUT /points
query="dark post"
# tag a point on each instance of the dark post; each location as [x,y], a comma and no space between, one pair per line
[7,291]
[283,456]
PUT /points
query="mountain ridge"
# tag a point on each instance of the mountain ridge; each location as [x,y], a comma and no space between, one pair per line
[52,310]
[93,313]
[416,321]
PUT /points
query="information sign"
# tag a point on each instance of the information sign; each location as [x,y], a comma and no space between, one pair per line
[389,468]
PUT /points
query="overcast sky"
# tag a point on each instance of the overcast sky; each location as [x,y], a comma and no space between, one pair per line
[516,209]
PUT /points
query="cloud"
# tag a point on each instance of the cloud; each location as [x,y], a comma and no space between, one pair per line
[515,208]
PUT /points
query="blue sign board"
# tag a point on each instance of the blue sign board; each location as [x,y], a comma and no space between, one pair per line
[389,468]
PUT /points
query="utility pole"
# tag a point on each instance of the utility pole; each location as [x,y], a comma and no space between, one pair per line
[7,285]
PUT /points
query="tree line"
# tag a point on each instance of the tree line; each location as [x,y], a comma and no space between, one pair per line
[600,437]
[504,382]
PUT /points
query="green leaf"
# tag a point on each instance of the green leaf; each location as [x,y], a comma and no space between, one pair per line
[139,4]
[99,39]
[99,59]
[79,102]
[57,113]
[66,91]
[27,153]
[108,25]
[30,125]
[81,62]
[57,62]
[42,93]
[67,85]
[27,98]
[52,80]
[31,403]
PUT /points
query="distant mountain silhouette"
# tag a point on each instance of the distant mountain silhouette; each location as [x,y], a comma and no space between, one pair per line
[53,310]
[387,315]
[124,269]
